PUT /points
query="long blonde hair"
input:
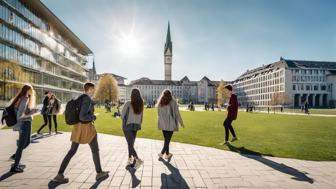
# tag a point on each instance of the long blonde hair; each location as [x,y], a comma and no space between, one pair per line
[23,92]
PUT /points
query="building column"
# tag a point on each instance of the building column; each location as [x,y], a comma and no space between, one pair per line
[313,96]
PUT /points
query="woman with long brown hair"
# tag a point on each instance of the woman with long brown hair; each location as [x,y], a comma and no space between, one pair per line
[24,103]
[168,121]
[132,114]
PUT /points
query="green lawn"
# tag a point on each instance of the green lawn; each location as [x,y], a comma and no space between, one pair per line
[301,137]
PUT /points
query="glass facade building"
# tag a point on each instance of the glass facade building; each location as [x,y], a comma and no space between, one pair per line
[37,48]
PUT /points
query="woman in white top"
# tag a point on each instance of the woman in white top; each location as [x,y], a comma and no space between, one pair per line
[169,119]
[24,103]
[131,115]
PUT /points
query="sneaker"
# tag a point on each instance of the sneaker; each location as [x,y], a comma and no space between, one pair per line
[16,169]
[12,158]
[160,155]
[130,161]
[138,163]
[225,143]
[169,156]
[234,139]
[21,165]
[60,179]
[101,175]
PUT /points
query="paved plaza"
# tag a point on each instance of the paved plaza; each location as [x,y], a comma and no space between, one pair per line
[191,166]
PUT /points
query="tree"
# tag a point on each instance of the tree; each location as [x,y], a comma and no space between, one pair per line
[280,99]
[107,88]
[11,73]
[221,94]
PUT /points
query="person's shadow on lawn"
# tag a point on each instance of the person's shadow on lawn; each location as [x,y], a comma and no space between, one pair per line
[174,180]
[297,175]
[135,180]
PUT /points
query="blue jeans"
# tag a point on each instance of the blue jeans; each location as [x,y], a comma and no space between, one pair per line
[24,140]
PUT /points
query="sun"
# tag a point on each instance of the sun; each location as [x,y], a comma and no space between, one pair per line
[129,45]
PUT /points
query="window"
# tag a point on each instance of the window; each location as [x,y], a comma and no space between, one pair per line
[294,87]
[323,88]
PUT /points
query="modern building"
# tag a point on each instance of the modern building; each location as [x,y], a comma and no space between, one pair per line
[297,81]
[202,91]
[47,54]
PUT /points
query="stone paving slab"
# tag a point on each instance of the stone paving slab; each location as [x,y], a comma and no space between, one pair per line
[191,166]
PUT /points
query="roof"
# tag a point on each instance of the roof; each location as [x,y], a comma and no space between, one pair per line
[183,81]
[43,11]
[114,75]
[287,63]
[310,64]
[147,81]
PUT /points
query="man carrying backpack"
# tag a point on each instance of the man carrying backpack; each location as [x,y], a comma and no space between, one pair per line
[83,132]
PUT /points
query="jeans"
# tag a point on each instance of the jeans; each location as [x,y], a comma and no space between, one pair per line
[45,119]
[24,140]
[74,146]
[167,137]
[130,136]
[228,127]
[54,117]
[48,119]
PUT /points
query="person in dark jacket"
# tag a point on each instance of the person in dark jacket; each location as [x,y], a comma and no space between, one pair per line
[54,108]
[232,111]
[44,110]
[83,132]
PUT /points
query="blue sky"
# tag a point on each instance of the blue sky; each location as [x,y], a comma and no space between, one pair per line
[217,38]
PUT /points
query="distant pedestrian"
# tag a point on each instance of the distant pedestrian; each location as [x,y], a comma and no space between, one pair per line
[132,114]
[24,103]
[44,110]
[83,132]
[306,107]
[168,121]
[232,111]
[54,108]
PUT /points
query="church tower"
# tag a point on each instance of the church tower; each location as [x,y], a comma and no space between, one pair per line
[168,53]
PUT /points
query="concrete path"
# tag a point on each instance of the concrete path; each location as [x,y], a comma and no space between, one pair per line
[191,167]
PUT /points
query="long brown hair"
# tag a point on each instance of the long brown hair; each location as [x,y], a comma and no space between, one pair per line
[137,101]
[23,92]
[165,98]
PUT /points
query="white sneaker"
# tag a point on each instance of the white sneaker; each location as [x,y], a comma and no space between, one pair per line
[169,156]
[160,155]
[130,161]
[234,139]
[138,163]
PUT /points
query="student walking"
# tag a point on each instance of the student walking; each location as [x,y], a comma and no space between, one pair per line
[44,110]
[24,103]
[83,132]
[231,115]
[53,109]
[168,121]
[132,114]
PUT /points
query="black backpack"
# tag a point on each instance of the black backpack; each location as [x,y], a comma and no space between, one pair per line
[9,115]
[72,110]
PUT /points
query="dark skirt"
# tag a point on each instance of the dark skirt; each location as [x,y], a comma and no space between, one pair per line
[132,127]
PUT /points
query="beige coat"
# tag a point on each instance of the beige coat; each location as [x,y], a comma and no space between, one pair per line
[83,133]
[169,117]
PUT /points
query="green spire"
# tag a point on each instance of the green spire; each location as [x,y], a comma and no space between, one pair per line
[169,44]
[168,34]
